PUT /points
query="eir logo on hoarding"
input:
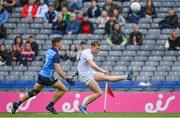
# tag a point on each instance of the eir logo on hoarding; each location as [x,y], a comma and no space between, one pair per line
[67,107]
[157,107]
[23,107]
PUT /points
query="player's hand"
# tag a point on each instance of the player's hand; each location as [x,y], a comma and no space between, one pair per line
[106,72]
[70,81]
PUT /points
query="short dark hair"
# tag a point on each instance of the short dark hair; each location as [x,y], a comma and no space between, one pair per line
[31,36]
[85,14]
[55,40]
[94,1]
[94,43]
[83,43]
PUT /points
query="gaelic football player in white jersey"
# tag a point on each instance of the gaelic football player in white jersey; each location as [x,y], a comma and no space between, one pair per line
[86,70]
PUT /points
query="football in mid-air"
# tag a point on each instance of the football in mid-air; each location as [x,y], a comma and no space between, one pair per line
[135,7]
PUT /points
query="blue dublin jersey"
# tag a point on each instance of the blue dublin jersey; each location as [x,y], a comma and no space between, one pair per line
[52,57]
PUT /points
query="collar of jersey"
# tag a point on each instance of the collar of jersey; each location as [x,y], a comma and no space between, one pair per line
[54,49]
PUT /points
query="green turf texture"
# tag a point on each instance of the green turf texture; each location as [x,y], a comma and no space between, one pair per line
[90,115]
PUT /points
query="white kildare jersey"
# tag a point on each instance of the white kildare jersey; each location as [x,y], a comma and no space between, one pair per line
[83,66]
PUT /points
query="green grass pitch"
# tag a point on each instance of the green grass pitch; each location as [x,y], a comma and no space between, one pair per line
[90,115]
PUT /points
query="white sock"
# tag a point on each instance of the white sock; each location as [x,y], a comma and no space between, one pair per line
[83,104]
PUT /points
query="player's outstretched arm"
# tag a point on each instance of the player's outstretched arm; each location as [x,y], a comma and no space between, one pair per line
[63,75]
[60,71]
[95,66]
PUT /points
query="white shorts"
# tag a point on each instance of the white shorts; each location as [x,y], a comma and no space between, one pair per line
[86,77]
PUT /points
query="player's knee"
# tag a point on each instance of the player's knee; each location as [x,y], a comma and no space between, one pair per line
[106,78]
[33,92]
[99,93]
[63,89]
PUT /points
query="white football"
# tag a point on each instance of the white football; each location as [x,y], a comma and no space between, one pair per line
[135,7]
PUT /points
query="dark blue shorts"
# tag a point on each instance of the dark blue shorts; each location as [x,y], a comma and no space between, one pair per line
[46,81]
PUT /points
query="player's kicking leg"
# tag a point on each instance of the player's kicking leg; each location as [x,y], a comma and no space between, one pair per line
[37,88]
[102,77]
[94,87]
[61,90]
